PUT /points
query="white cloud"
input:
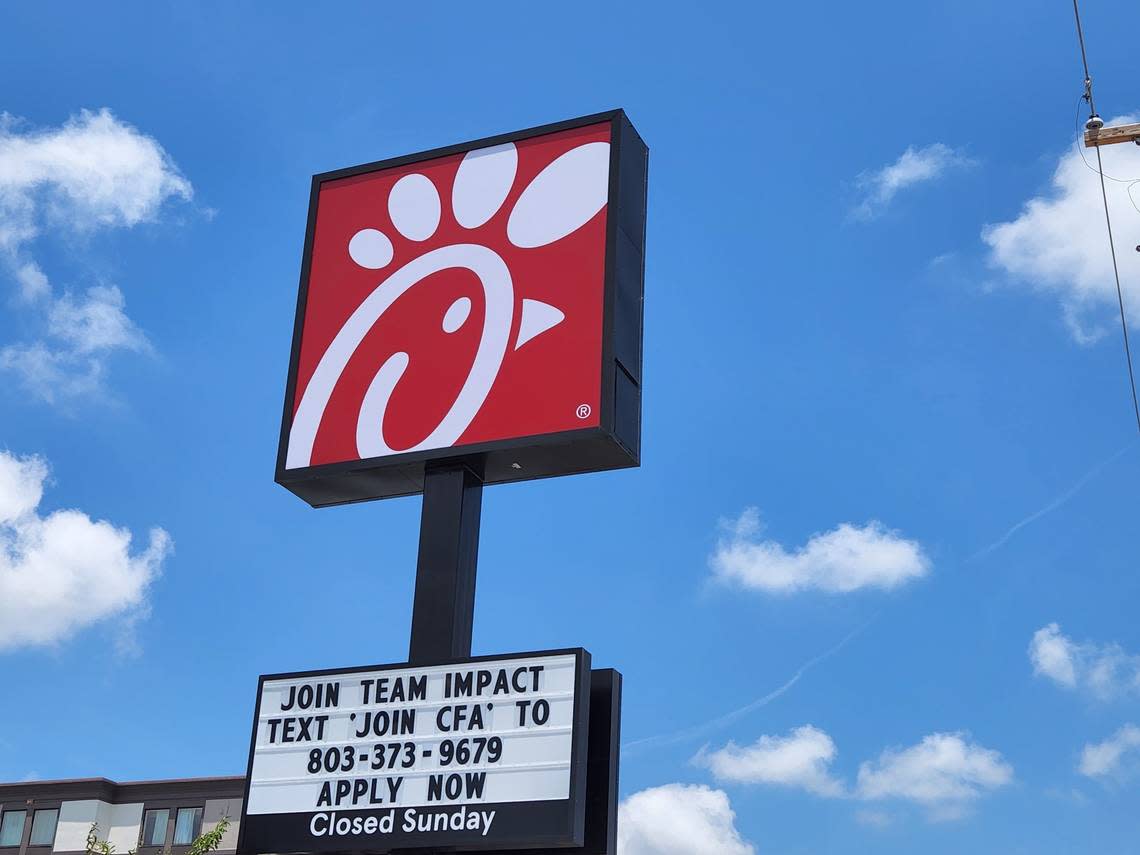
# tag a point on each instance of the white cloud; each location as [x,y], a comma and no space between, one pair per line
[93,172]
[1103,759]
[678,819]
[943,772]
[61,572]
[847,558]
[33,282]
[53,375]
[85,330]
[1052,656]
[914,166]
[94,322]
[1059,244]
[1102,670]
[801,759]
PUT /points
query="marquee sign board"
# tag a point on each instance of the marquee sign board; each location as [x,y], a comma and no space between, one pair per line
[480,302]
[476,754]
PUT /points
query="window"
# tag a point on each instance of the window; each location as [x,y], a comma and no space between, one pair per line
[187,826]
[12,827]
[43,827]
[154,827]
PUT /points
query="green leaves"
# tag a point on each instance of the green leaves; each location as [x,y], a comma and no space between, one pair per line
[203,844]
[209,841]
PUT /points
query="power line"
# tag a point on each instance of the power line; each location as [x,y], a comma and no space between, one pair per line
[1084,58]
[1107,217]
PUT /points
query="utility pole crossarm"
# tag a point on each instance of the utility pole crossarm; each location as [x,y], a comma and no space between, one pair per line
[1110,136]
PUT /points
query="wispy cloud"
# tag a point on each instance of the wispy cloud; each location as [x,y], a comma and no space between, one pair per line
[92,173]
[873,818]
[1103,671]
[845,559]
[914,166]
[1111,758]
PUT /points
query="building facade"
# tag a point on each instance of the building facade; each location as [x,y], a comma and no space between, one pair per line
[147,817]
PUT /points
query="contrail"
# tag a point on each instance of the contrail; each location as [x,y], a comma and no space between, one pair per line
[630,748]
[1052,506]
[696,732]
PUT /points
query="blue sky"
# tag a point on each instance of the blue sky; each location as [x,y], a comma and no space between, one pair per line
[854,325]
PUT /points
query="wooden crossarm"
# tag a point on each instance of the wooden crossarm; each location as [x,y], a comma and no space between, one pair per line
[1111,136]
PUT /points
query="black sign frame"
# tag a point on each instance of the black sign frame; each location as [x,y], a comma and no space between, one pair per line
[614,444]
[556,825]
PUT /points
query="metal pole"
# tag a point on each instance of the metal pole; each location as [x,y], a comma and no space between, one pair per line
[444,607]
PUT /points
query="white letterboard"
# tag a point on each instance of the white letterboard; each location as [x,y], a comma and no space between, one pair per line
[490,731]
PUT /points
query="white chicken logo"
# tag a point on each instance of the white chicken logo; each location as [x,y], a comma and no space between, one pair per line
[562,198]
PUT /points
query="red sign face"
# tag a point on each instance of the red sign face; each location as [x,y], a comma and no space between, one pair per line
[455,301]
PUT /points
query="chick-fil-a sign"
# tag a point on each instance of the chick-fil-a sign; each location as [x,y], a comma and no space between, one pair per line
[456,301]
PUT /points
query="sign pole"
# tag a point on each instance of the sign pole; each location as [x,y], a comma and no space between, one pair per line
[444,607]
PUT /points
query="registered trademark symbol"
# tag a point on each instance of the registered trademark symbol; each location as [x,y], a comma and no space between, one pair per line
[583,411]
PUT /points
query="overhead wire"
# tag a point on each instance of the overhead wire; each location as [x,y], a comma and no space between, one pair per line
[1107,216]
